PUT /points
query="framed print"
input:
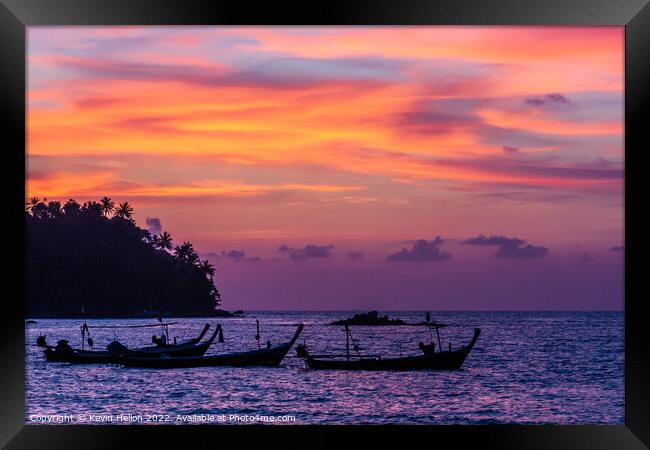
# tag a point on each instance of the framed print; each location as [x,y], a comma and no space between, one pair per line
[393,221]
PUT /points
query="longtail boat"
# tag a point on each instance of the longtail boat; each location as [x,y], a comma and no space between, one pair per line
[62,352]
[429,359]
[270,356]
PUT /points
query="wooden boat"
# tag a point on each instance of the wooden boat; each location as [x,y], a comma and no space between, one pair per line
[62,352]
[270,357]
[430,359]
[191,347]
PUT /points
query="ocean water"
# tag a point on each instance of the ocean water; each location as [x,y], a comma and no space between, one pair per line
[526,368]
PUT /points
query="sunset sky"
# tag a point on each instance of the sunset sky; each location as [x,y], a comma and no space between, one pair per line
[325,168]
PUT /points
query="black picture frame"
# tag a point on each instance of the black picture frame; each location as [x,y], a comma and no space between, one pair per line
[16,15]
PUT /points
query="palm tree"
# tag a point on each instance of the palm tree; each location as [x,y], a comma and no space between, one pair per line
[54,209]
[185,253]
[93,208]
[125,211]
[180,252]
[147,237]
[193,258]
[215,294]
[108,206]
[39,209]
[71,207]
[207,268]
[93,229]
[32,202]
[163,242]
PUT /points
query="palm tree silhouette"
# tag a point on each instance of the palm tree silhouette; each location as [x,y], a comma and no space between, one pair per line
[180,252]
[38,208]
[108,206]
[71,207]
[163,242]
[192,257]
[185,253]
[54,209]
[207,268]
[93,208]
[125,211]
[32,202]
[83,231]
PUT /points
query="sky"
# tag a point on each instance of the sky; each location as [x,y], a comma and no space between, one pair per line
[350,168]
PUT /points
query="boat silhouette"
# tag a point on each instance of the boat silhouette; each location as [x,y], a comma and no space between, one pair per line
[429,359]
[270,356]
[62,352]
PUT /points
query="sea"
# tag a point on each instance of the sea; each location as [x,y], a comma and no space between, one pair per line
[526,368]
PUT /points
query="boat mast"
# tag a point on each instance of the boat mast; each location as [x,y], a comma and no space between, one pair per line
[83,335]
[84,331]
[347,340]
[428,321]
[84,327]
[163,328]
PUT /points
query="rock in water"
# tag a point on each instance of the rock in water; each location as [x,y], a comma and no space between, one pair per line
[371,318]
[224,313]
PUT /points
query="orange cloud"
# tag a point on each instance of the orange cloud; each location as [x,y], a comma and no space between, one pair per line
[341,115]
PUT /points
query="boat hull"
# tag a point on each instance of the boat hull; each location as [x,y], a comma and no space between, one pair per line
[450,360]
[81,357]
[267,357]
[185,349]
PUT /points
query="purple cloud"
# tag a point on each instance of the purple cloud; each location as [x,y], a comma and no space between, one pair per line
[439,116]
[238,255]
[617,248]
[154,225]
[422,251]
[548,99]
[308,251]
[292,70]
[355,256]
[512,137]
[509,247]
[521,251]
[493,240]
[235,254]
[538,168]
[283,72]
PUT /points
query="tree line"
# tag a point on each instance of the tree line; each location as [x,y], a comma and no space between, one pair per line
[92,259]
